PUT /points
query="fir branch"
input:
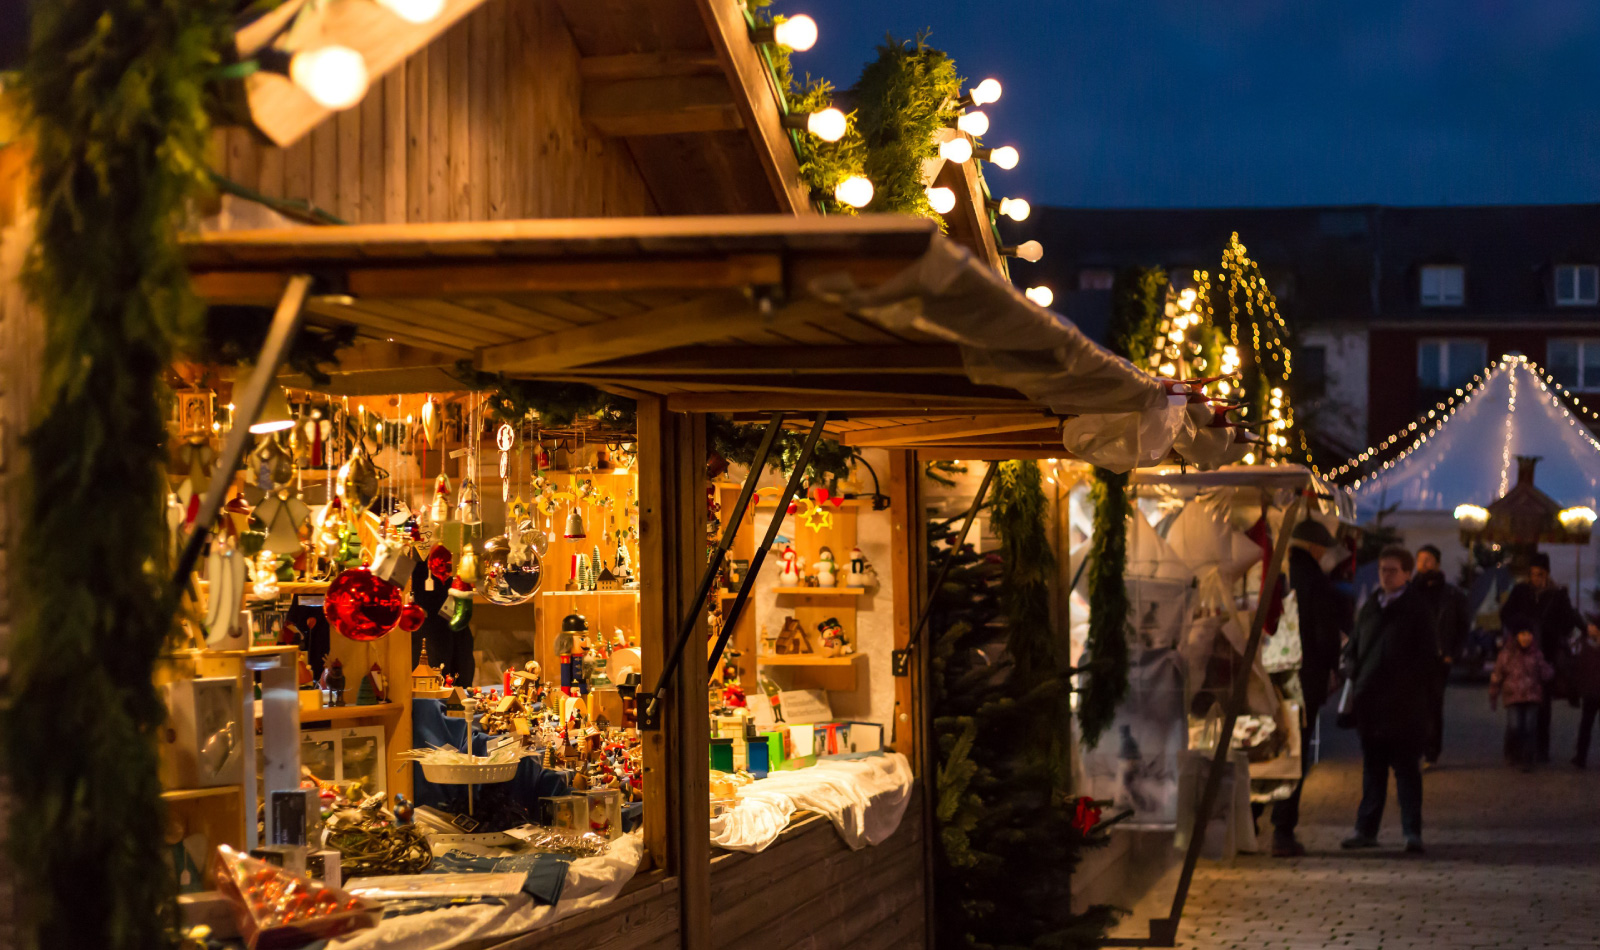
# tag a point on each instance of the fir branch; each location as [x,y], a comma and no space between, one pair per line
[903,99]
[556,405]
[234,335]
[739,442]
[117,103]
[1106,683]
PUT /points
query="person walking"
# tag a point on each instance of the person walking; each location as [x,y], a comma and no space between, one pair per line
[1452,621]
[1586,690]
[1324,617]
[1519,678]
[1554,619]
[1390,661]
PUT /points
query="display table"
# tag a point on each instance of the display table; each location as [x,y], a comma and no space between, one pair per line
[864,796]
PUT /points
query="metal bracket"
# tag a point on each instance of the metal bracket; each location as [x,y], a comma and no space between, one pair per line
[900,662]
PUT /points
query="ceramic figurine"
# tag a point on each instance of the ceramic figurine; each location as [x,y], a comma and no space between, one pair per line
[790,575]
[857,577]
[833,639]
[826,575]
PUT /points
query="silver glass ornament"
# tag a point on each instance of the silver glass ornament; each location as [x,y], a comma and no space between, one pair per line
[510,576]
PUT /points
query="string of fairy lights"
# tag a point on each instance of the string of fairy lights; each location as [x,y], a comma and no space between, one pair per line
[1435,418]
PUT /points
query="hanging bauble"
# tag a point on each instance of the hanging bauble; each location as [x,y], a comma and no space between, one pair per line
[361,605]
[441,563]
[508,579]
[358,483]
[534,538]
[411,617]
[432,422]
[468,569]
[440,512]
[271,465]
[467,509]
[574,524]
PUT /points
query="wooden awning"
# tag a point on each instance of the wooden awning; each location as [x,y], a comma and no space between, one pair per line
[727,314]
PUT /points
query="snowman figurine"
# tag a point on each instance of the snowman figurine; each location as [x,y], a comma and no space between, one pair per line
[790,575]
[857,576]
[827,575]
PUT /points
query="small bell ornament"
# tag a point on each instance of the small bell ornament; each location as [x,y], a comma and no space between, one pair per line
[440,512]
[574,528]
[467,570]
[467,508]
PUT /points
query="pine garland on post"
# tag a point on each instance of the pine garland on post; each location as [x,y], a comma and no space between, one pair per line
[116,96]
[902,100]
[1106,682]
[1007,842]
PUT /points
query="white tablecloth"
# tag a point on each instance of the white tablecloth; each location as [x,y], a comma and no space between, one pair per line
[864,798]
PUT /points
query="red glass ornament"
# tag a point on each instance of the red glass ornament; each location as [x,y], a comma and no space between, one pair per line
[361,605]
[793,507]
[441,563]
[411,617]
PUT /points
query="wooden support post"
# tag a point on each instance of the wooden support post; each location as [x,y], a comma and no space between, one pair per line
[672,513]
[908,555]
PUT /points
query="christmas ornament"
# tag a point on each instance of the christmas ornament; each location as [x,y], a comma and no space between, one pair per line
[432,422]
[440,512]
[818,518]
[358,482]
[460,605]
[225,571]
[508,580]
[361,605]
[790,575]
[826,575]
[574,529]
[271,466]
[858,570]
[467,507]
[468,571]
[411,618]
[441,564]
[393,561]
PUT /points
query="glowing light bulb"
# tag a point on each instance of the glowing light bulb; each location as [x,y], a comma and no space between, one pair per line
[799,33]
[1175,336]
[828,125]
[1167,369]
[958,149]
[854,191]
[1029,251]
[335,77]
[986,92]
[1186,299]
[1017,209]
[973,123]
[414,11]
[942,199]
[1005,156]
[1043,296]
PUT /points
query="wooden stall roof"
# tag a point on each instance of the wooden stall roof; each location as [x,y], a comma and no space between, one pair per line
[714,313]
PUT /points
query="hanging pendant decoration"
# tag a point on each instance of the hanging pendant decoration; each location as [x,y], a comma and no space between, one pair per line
[440,512]
[362,606]
[468,510]
[574,529]
[509,579]
[225,571]
[358,482]
[432,422]
[505,438]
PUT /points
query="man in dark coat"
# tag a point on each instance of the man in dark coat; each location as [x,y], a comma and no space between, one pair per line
[1452,621]
[1554,622]
[1391,661]
[1324,616]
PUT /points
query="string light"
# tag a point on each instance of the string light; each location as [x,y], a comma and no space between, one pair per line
[1505,451]
[1043,296]
[973,123]
[985,92]
[827,124]
[854,191]
[414,11]
[1005,156]
[957,150]
[1017,209]
[335,77]
[799,33]
[942,199]
[1030,251]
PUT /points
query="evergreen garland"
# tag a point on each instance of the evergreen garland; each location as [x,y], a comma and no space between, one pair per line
[1138,302]
[823,165]
[116,100]
[1007,843]
[739,442]
[234,335]
[1106,680]
[903,99]
[557,405]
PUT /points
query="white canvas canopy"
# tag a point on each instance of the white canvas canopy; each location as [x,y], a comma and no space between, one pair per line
[1470,457]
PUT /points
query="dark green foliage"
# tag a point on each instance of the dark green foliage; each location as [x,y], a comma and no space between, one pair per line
[1007,846]
[823,165]
[738,443]
[902,99]
[1138,302]
[115,92]
[234,335]
[1106,681]
[557,405]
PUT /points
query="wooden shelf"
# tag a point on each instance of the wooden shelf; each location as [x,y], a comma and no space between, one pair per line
[191,794]
[347,713]
[633,591]
[807,659]
[821,591]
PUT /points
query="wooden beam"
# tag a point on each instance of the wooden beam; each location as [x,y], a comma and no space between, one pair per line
[282,111]
[945,430]
[948,453]
[567,276]
[858,404]
[652,65]
[694,321]
[666,105]
[757,102]
[791,359]
[908,387]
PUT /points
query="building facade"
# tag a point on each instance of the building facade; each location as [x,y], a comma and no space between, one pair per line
[1391,308]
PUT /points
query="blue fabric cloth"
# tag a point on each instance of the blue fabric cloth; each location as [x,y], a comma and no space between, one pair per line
[431,727]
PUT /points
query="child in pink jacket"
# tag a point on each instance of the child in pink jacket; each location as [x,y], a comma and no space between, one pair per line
[1519,676]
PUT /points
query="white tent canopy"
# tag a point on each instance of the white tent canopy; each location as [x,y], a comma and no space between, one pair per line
[1469,457]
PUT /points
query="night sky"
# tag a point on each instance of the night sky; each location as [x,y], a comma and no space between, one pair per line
[1172,103]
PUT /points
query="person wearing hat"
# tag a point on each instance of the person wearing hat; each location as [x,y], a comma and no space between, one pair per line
[1555,623]
[1451,623]
[1324,617]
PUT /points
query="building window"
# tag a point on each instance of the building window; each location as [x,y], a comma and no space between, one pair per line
[1575,364]
[1443,285]
[1095,278]
[1311,372]
[1577,285]
[1449,364]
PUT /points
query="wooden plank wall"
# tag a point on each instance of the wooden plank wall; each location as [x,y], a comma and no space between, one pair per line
[810,890]
[643,919]
[483,124]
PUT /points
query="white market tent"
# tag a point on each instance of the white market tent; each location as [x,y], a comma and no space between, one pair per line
[1468,456]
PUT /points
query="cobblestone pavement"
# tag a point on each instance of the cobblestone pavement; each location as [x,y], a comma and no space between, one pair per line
[1513,859]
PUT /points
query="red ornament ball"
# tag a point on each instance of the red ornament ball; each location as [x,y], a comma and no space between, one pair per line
[361,605]
[411,617]
[441,563]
